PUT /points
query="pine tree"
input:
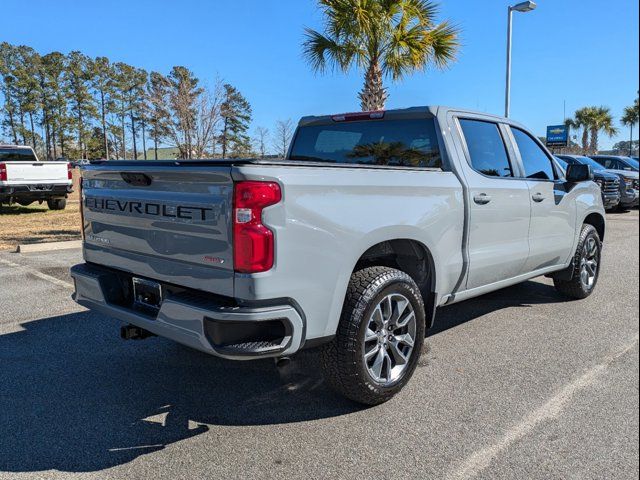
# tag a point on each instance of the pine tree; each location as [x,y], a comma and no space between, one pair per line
[236,117]
[82,105]
[27,90]
[10,107]
[54,65]
[158,113]
[102,82]
[119,104]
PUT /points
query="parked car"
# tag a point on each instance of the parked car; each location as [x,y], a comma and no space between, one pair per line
[349,244]
[80,163]
[24,179]
[629,196]
[612,162]
[609,183]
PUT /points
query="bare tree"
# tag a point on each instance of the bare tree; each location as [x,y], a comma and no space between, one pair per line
[207,119]
[282,136]
[262,134]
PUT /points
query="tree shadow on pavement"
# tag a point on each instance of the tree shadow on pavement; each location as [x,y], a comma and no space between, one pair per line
[76,398]
[19,210]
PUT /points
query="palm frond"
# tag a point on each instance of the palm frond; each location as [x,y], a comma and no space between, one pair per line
[323,52]
[445,43]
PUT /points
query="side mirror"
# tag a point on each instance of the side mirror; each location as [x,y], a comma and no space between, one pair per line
[579,173]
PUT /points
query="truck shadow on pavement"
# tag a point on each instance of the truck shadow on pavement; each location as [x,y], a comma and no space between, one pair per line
[75,398]
[523,295]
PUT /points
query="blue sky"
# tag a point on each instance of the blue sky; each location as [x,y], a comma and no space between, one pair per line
[582,52]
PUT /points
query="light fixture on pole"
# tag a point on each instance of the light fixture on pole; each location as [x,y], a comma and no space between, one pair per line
[523,7]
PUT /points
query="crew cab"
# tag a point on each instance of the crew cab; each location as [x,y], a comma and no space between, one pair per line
[24,179]
[350,244]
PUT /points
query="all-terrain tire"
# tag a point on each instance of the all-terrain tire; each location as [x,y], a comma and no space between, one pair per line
[576,288]
[343,363]
[57,203]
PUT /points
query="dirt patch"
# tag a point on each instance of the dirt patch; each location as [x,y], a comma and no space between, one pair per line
[37,224]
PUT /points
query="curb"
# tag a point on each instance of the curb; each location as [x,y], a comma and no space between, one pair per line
[48,247]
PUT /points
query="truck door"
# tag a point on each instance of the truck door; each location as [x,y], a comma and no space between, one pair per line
[553,212]
[499,206]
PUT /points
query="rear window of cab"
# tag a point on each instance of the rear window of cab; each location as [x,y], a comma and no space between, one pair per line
[17,155]
[401,143]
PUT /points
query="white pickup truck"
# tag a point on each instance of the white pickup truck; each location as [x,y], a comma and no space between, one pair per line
[24,179]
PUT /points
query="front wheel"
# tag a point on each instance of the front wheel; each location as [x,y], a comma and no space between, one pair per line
[586,266]
[379,338]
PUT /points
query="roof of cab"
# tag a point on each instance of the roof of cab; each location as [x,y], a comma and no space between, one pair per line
[6,145]
[399,114]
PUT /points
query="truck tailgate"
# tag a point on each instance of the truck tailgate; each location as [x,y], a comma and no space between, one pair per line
[168,223]
[36,172]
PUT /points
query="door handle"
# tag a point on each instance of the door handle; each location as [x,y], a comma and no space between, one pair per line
[482,199]
[538,197]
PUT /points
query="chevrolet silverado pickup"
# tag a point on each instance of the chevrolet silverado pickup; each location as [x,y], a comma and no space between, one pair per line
[24,179]
[349,245]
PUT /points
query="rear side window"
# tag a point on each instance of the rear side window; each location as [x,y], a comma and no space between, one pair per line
[486,148]
[17,155]
[402,143]
[537,165]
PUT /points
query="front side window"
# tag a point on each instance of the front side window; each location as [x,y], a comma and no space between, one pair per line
[537,165]
[402,143]
[487,151]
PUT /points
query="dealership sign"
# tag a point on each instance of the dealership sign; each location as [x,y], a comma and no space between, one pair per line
[558,136]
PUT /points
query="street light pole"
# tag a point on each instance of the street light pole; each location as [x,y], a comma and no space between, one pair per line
[520,7]
[507,100]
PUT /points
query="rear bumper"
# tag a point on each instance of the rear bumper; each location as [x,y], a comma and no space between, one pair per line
[232,332]
[34,192]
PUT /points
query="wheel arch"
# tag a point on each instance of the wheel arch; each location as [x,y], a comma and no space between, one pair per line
[410,256]
[597,221]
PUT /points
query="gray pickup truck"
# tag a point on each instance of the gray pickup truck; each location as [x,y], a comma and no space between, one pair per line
[350,244]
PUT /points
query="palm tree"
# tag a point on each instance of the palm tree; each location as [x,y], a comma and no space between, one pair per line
[601,121]
[630,119]
[386,38]
[582,120]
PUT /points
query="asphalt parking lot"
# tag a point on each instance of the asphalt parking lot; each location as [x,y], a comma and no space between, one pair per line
[517,384]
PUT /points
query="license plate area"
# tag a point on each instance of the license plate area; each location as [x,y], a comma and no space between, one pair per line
[147,294]
[40,188]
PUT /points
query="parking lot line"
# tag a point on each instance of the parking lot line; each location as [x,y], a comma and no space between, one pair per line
[482,459]
[36,273]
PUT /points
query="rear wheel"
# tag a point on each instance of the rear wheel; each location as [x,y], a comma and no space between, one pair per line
[57,203]
[586,266]
[379,338]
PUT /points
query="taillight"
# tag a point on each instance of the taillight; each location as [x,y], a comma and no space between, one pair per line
[253,243]
[3,172]
[81,207]
[69,172]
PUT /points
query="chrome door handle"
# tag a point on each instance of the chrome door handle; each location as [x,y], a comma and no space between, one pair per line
[482,199]
[538,197]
